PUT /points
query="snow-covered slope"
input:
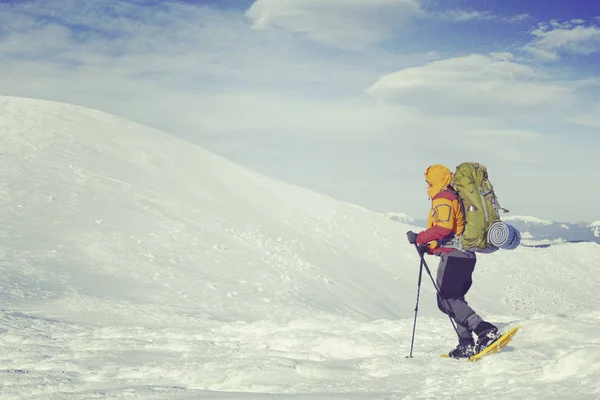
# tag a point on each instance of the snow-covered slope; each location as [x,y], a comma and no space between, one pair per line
[104,203]
[134,264]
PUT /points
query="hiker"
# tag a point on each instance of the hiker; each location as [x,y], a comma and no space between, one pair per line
[446,223]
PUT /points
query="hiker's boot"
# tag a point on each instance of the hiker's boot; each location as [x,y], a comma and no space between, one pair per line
[465,349]
[486,335]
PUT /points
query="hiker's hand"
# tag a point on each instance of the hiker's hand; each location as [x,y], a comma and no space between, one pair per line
[412,237]
[424,249]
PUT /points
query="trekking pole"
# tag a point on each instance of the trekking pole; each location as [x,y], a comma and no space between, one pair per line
[412,341]
[450,312]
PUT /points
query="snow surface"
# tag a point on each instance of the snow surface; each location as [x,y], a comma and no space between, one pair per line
[136,265]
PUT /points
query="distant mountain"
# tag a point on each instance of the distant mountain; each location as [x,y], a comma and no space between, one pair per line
[534,231]
[595,228]
[526,221]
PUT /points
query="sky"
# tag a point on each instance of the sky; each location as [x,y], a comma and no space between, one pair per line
[129,270]
[353,99]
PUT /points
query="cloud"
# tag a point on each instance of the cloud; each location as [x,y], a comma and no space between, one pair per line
[589,118]
[571,37]
[518,18]
[462,15]
[353,24]
[484,85]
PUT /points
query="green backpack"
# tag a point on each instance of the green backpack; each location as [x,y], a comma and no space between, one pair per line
[479,204]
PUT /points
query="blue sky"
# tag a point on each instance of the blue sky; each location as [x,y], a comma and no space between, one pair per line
[351,98]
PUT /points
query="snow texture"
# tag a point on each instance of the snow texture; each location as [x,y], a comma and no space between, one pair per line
[401,217]
[136,265]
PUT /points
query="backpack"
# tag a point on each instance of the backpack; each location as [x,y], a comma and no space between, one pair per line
[479,204]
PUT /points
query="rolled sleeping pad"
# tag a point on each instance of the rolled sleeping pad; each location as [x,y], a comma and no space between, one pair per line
[503,236]
[516,241]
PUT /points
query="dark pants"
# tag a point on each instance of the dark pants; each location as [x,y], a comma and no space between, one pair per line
[454,279]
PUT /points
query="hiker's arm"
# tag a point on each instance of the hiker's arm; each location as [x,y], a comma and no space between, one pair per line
[443,222]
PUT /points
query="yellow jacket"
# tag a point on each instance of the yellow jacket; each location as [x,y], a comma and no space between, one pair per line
[446,218]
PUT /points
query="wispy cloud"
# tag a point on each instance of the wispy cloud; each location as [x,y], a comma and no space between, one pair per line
[574,36]
[354,24]
[518,18]
[490,85]
[462,15]
[589,117]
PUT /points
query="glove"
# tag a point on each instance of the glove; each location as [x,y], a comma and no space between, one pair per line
[412,237]
[424,249]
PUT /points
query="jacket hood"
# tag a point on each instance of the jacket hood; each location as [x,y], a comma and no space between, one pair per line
[438,177]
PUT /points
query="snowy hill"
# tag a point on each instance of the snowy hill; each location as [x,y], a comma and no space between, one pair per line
[136,265]
[139,211]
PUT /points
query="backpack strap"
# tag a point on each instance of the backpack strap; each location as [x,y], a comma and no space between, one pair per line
[451,194]
[460,201]
[456,242]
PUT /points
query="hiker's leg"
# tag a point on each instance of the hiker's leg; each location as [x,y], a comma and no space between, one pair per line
[454,279]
